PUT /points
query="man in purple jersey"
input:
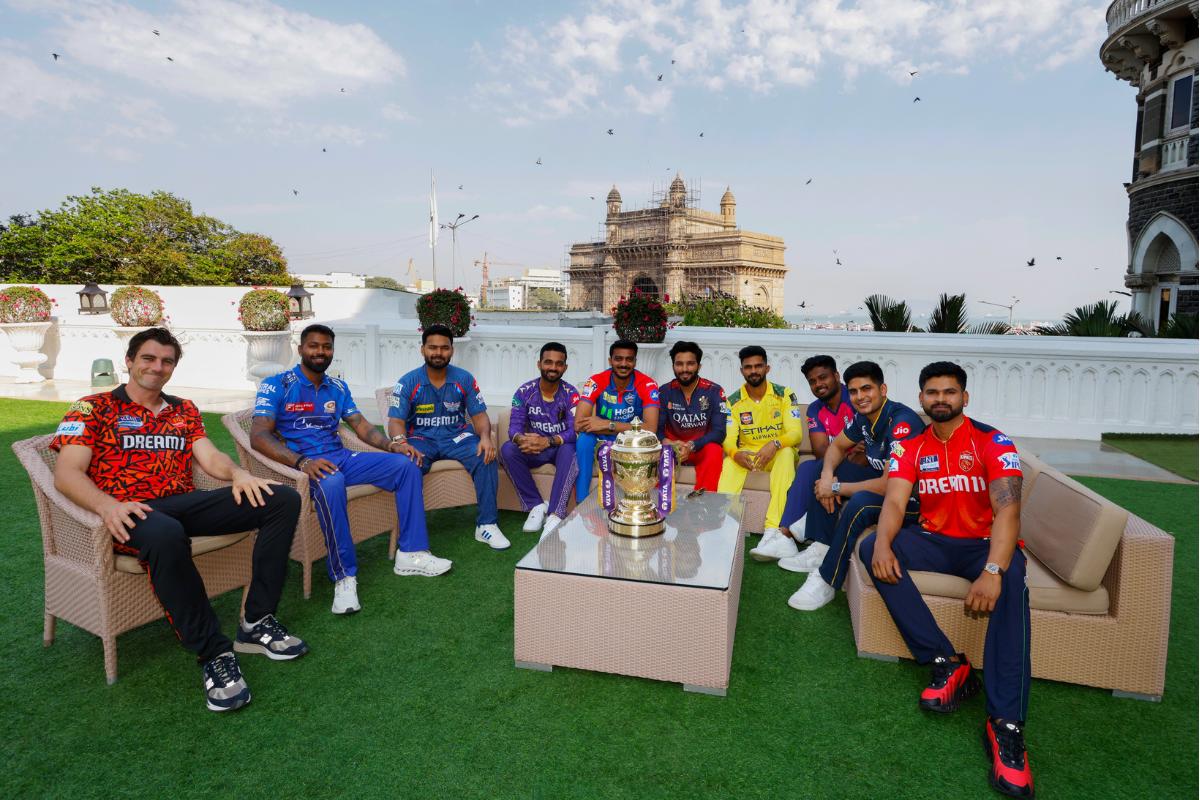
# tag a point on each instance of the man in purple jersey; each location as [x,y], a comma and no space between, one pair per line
[541,430]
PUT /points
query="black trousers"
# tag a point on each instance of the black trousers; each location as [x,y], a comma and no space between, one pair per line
[161,542]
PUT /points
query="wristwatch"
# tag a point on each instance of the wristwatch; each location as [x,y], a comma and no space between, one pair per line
[993,568]
[836,488]
[400,437]
[612,426]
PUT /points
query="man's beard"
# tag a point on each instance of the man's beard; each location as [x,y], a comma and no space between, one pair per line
[836,391]
[755,380]
[550,377]
[316,366]
[695,376]
[943,413]
[429,362]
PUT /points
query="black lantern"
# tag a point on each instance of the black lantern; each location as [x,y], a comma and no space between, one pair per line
[299,302]
[92,299]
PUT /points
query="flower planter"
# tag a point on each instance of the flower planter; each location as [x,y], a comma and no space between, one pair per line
[265,352]
[649,356]
[27,339]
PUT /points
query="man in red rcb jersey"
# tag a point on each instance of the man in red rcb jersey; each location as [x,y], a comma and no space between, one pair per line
[968,482]
[126,455]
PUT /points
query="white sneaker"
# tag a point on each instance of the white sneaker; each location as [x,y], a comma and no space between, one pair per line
[345,596]
[422,562]
[533,523]
[775,544]
[552,522]
[491,536]
[807,561]
[813,594]
[797,529]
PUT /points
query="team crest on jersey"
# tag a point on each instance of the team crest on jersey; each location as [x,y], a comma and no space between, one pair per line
[330,406]
[703,403]
[452,405]
[966,461]
[747,418]
[776,415]
[901,430]
[930,464]
[1010,461]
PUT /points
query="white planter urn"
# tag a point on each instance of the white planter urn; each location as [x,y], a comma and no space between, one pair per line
[649,356]
[265,352]
[27,339]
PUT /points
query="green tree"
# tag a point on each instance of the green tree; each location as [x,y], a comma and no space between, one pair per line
[724,311]
[888,314]
[949,315]
[1098,319]
[545,298]
[251,259]
[382,282]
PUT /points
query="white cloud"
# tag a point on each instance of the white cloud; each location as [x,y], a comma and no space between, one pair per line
[603,57]
[26,88]
[252,53]
[395,113]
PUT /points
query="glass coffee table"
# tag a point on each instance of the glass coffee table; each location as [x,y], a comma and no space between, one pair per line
[663,607]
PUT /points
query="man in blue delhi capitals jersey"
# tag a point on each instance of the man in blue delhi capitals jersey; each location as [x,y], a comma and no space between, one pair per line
[437,412]
[296,419]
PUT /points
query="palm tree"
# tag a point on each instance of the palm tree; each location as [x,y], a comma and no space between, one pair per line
[888,314]
[994,328]
[949,315]
[1098,319]
[1182,326]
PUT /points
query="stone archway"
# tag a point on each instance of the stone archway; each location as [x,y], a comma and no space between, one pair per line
[1149,244]
[646,285]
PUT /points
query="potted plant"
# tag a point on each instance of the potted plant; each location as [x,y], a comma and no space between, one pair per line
[446,307]
[641,318]
[25,318]
[266,329]
[136,307]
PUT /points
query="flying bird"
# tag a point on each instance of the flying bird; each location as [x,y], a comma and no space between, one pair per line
[538,162]
[660,76]
[295,191]
[170,59]
[591,197]
[1031,262]
[701,134]
[916,99]
[839,261]
[807,182]
[672,61]
[56,56]
[343,91]
[460,187]
[1058,258]
[802,304]
[912,74]
[323,150]
[609,131]
[155,32]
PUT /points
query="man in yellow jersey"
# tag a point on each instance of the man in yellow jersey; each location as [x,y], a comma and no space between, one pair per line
[766,425]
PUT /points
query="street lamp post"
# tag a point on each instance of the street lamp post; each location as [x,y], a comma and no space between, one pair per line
[1009,306]
[453,227]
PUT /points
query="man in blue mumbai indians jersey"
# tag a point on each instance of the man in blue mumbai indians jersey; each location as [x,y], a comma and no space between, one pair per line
[304,408]
[541,430]
[437,412]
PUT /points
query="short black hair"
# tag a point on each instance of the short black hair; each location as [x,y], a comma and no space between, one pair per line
[622,344]
[939,369]
[818,361]
[863,369]
[437,329]
[553,347]
[160,335]
[316,327]
[687,347]
[750,351]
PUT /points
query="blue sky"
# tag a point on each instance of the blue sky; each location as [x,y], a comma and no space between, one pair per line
[1017,149]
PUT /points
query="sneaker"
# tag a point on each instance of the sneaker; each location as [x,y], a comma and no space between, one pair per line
[950,682]
[1004,744]
[813,594]
[270,639]
[224,687]
[533,523]
[552,522]
[345,596]
[491,536]
[422,562]
[797,529]
[808,560]
[774,545]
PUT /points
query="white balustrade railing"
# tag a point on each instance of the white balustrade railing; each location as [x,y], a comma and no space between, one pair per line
[1064,387]
[1122,12]
[1174,153]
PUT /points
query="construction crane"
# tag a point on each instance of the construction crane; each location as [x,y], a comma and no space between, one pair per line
[485,264]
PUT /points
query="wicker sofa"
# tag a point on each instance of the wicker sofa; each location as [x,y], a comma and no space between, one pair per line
[1099,592]
[104,593]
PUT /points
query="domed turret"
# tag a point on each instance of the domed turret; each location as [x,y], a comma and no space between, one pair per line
[728,209]
[614,200]
[678,192]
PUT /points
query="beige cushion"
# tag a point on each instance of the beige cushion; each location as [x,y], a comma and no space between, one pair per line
[446,465]
[361,490]
[1071,529]
[200,546]
[1046,591]
[1031,467]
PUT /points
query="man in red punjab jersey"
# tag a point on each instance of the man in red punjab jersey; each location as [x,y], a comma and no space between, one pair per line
[967,477]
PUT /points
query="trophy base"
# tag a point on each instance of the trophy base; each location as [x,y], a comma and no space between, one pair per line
[636,530]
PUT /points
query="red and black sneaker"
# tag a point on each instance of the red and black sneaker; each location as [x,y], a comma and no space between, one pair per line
[950,682]
[1004,744]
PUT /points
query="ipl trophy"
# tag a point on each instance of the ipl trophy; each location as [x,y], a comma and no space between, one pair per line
[638,468]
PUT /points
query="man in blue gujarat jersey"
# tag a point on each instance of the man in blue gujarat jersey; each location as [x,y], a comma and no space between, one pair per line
[437,412]
[296,419]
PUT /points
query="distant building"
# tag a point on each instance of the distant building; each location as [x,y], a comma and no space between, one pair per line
[675,248]
[504,295]
[1152,45]
[334,280]
[517,293]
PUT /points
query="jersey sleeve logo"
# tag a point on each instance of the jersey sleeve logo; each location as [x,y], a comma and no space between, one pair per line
[69,429]
[812,424]
[897,449]
[1010,461]
[930,464]
[966,460]
[81,406]
[901,430]
[1000,438]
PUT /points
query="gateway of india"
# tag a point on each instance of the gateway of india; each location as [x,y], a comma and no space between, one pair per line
[676,249]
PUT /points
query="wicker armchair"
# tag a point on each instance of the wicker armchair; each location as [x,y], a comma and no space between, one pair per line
[89,585]
[371,510]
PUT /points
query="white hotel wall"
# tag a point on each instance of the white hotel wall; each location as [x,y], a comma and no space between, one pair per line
[1030,386]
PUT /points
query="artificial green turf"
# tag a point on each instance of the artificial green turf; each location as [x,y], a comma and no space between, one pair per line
[417,696]
[1178,454]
